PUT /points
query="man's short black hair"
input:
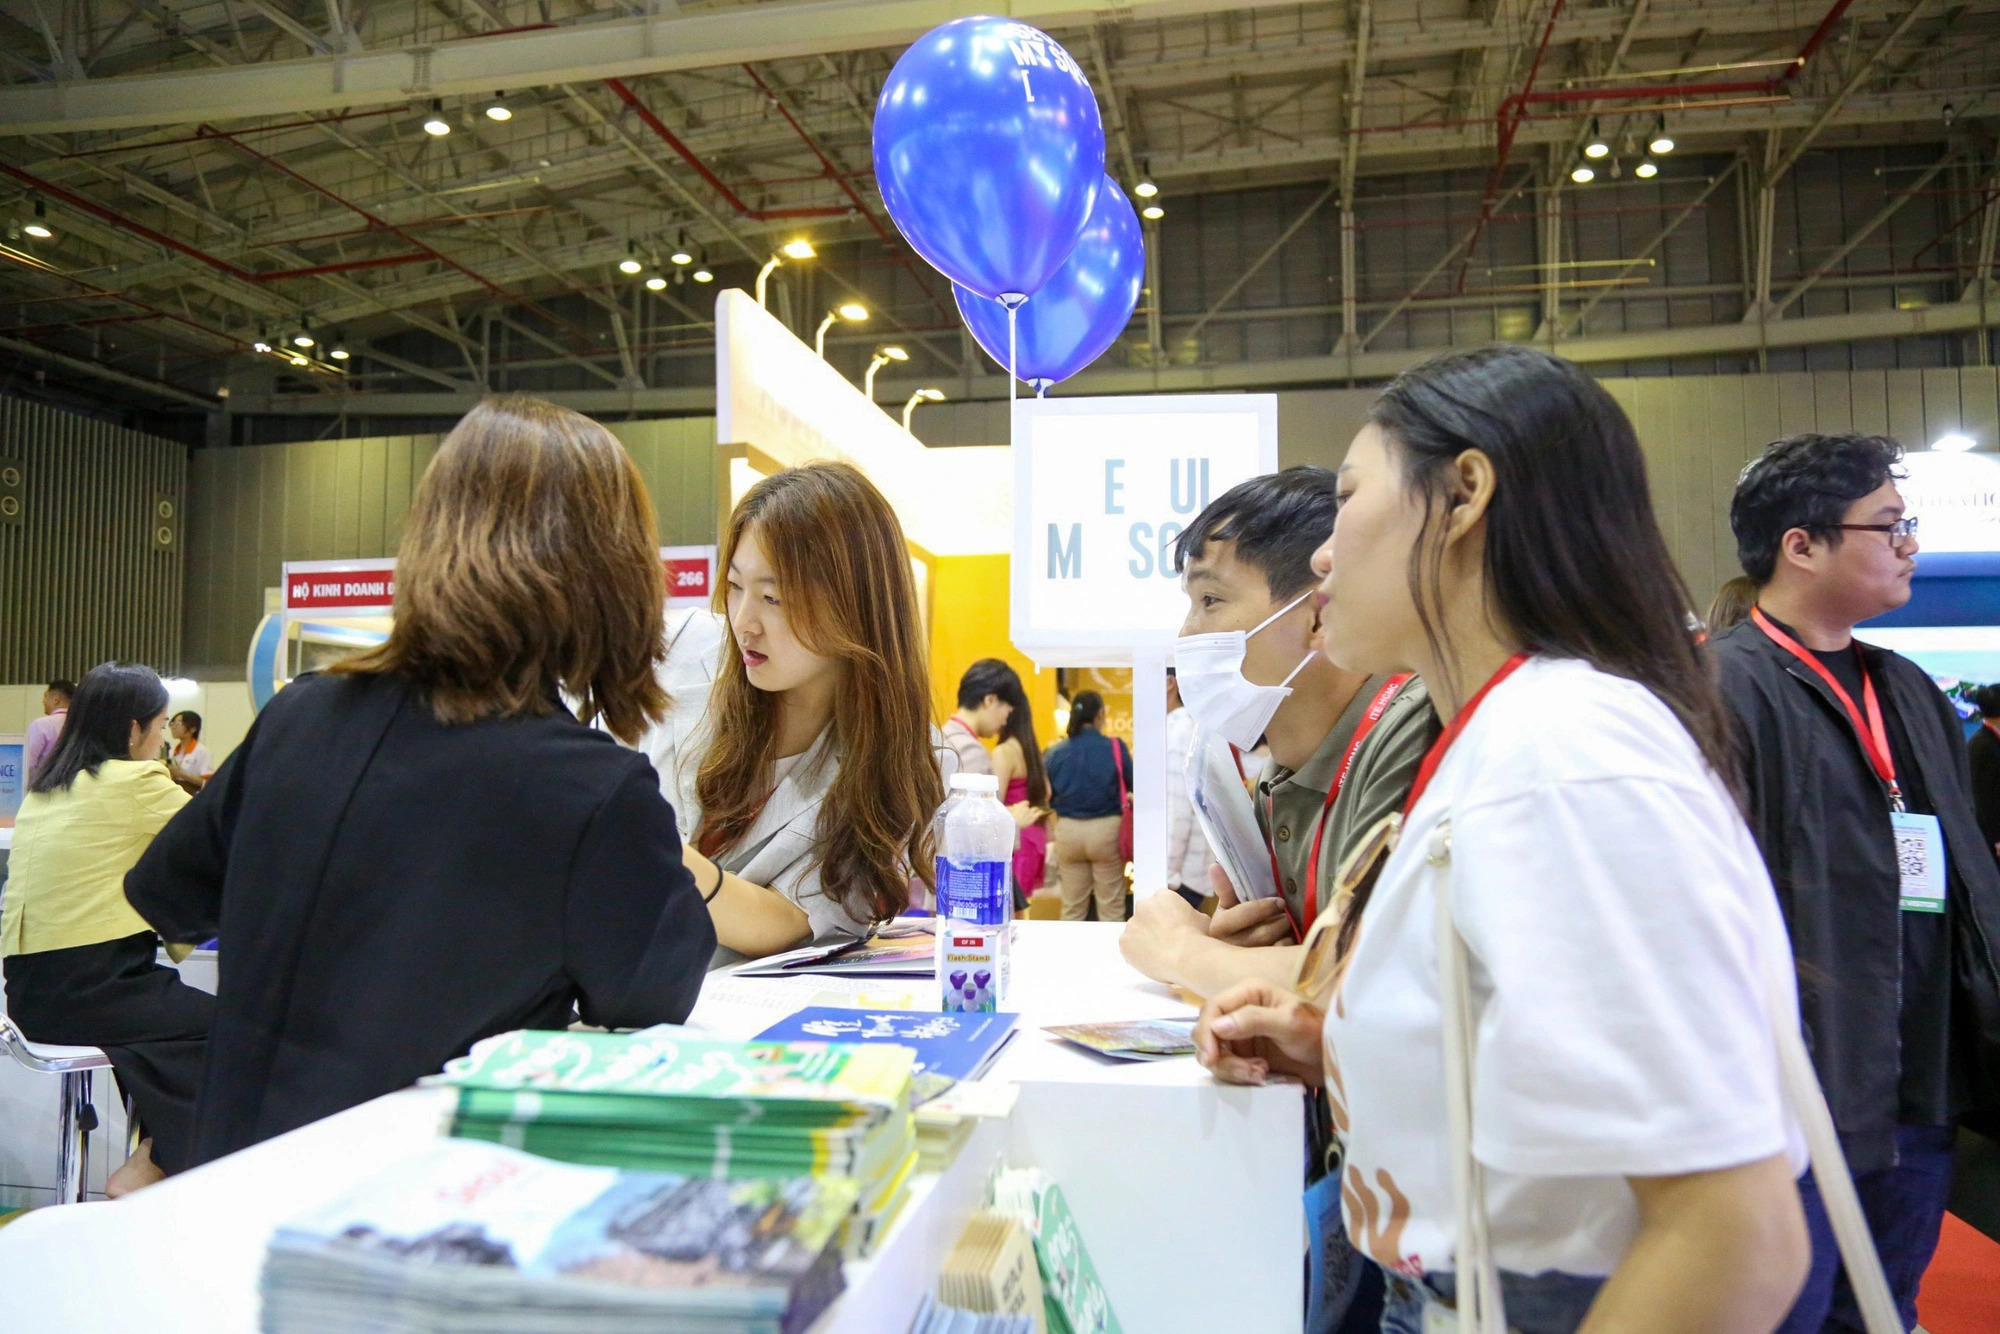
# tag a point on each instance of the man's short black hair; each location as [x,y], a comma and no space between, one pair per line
[1988,700]
[1276,521]
[989,676]
[63,686]
[1805,481]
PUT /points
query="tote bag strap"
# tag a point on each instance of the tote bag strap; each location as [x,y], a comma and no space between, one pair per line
[1480,1308]
[1829,1165]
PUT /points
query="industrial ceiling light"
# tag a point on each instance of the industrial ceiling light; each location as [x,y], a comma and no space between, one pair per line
[39,227]
[1597,147]
[1145,189]
[1954,442]
[339,349]
[1661,143]
[656,284]
[681,255]
[498,108]
[703,276]
[1582,175]
[1646,171]
[631,264]
[1152,213]
[302,339]
[437,126]
[298,360]
[799,249]
[260,345]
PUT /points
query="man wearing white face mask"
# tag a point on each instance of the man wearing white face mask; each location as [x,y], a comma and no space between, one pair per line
[1343,747]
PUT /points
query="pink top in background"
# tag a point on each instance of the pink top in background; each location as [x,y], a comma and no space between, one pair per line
[42,734]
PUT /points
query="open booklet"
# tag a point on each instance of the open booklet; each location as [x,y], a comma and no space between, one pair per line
[1222,808]
[905,947]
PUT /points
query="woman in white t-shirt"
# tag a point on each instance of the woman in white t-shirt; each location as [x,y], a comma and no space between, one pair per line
[1621,934]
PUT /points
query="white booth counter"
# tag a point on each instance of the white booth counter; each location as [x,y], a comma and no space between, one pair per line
[1186,1191]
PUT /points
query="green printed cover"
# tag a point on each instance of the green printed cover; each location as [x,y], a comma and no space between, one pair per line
[661,1066]
[1072,1293]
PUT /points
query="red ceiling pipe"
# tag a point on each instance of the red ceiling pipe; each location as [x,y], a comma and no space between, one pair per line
[687,155]
[1512,111]
[397,232]
[104,214]
[346,266]
[261,129]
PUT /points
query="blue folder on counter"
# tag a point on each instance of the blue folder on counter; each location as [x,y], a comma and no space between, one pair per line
[957,1046]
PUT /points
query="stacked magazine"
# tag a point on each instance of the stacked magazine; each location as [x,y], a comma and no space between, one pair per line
[477,1238]
[667,1100]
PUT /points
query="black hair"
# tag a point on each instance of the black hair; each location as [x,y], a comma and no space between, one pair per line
[1805,481]
[1988,700]
[994,676]
[191,720]
[1084,711]
[1276,520]
[112,697]
[62,686]
[1576,566]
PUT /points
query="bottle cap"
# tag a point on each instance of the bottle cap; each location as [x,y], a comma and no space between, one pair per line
[975,783]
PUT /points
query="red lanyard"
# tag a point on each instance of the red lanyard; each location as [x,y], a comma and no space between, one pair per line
[1435,755]
[1872,735]
[963,724]
[1992,727]
[1373,715]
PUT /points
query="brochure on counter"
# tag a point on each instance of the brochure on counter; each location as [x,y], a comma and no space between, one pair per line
[905,947]
[952,1044]
[1132,1039]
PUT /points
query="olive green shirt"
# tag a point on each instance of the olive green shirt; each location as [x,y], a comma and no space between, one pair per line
[1289,801]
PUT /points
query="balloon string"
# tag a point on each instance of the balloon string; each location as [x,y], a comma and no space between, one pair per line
[1012,354]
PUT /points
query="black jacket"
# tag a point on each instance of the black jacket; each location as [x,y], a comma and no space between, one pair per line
[389,890]
[1983,755]
[1804,774]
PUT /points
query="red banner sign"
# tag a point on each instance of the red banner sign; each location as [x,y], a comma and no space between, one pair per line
[356,588]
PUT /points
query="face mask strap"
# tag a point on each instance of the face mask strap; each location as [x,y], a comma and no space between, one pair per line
[1311,653]
[1281,611]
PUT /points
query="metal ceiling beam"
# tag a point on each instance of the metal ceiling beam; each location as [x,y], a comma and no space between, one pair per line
[565,53]
[172,393]
[1702,340]
[1862,233]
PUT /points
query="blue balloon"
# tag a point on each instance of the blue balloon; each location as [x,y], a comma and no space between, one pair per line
[988,152]
[1081,310]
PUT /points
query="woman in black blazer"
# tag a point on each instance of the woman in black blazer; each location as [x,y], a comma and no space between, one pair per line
[425,847]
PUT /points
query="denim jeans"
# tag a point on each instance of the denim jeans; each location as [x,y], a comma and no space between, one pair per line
[1549,1303]
[1904,1205]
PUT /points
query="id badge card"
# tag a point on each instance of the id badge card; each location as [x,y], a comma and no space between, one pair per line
[1919,861]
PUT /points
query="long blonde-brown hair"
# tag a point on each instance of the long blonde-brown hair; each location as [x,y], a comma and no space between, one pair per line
[529,566]
[844,574]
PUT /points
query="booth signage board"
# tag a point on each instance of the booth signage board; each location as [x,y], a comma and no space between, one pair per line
[689,574]
[774,392]
[339,587]
[1955,499]
[13,777]
[1102,488]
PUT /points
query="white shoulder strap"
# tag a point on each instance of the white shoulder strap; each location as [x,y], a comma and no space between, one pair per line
[1480,1307]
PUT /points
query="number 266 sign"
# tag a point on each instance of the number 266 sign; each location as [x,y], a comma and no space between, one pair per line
[689,574]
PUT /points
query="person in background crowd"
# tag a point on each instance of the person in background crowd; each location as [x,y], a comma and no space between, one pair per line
[1574,829]
[43,731]
[1089,773]
[1731,605]
[1017,763]
[423,846]
[1858,792]
[799,746]
[981,713]
[81,967]
[1983,757]
[1188,857]
[188,757]
[1246,562]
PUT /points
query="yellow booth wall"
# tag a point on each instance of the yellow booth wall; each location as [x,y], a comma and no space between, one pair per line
[969,616]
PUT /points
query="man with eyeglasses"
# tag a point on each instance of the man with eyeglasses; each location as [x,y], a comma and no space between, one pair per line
[1857,789]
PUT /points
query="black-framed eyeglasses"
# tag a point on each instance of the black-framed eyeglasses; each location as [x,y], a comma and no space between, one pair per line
[1901,531]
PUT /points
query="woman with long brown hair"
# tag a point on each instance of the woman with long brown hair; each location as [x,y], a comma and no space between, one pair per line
[425,846]
[799,746]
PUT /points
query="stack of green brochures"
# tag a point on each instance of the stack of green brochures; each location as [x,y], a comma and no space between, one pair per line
[668,1101]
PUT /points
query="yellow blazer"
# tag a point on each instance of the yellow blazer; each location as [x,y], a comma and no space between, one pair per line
[66,873]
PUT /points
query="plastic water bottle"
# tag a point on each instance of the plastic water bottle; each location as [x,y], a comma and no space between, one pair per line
[975,901]
[975,847]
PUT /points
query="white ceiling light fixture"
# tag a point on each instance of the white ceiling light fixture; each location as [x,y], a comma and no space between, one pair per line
[1152,213]
[1145,189]
[656,284]
[39,227]
[1662,143]
[1953,442]
[498,108]
[437,126]
[703,276]
[1582,175]
[631,264]
[1646,171]
[1597,147]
